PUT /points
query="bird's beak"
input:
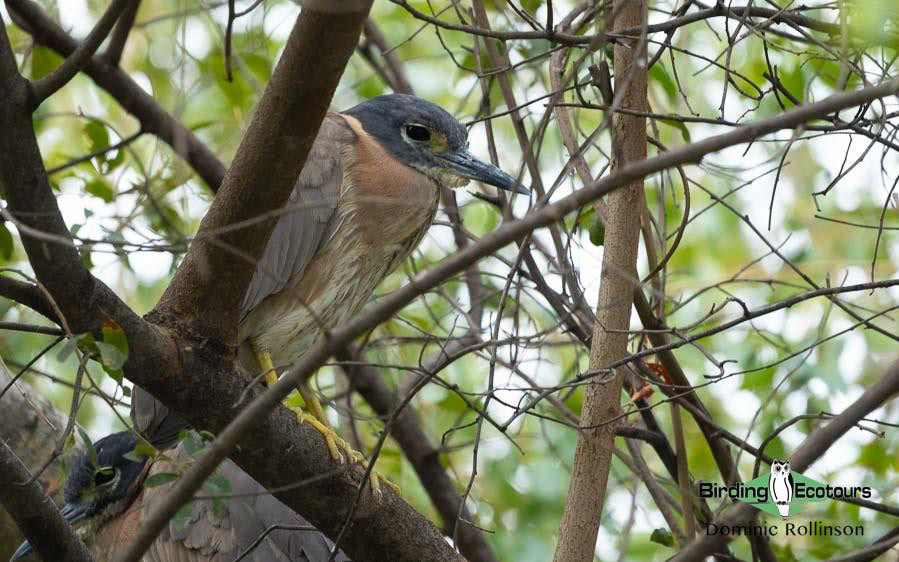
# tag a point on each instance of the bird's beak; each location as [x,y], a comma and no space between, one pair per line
[71,512]
[467,166]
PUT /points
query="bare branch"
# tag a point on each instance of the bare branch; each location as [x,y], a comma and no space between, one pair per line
[421,453]
[153,118]
[618,279]
[28,295]
[35,513]
[113,52]
[60,76]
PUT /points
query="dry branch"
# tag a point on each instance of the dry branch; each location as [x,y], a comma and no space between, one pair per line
[153,118]
[602,399]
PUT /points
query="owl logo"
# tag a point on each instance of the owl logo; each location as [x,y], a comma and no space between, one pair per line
[780,484]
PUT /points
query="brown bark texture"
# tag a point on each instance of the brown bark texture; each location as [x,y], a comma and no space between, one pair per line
[30,426]
[602,402]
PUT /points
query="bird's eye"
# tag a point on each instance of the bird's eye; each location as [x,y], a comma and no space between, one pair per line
[418,133]
[104,475]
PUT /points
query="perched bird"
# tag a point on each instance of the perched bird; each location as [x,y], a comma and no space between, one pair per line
[106,502]
[365,198]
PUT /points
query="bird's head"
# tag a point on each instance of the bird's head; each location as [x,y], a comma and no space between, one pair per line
[423,136]
[95,492]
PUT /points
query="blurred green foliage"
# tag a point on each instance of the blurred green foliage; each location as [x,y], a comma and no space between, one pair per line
[134,208]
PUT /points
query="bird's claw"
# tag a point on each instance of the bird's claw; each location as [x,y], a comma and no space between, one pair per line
[331,440]
[336,445]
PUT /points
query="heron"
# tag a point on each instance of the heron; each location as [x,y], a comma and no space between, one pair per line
[106,500]
[362,203]
[364,200]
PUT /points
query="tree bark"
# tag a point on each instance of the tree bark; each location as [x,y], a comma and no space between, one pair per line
[602,403]
[29,426]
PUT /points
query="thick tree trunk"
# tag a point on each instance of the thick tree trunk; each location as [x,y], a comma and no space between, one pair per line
[602,398]
[30,425]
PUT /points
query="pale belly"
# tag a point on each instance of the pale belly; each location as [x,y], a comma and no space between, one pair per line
[287,329]
[336,285]
[291,322]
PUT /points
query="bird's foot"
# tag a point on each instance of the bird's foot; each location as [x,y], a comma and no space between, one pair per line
[341,451]
[334,443]
[319,421]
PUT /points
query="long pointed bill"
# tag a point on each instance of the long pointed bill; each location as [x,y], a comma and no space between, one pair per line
[71,512]
[467,166]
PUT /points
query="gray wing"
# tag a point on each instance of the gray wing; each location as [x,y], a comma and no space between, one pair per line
[159,425]
[311,216]
[223,533]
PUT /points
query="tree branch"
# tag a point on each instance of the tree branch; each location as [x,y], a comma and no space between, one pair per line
[396,77]
[618,278]
[35,513]
[415,444]
[31,202]
[30,426]
[793,17]
[60,76]
[153,118]
[113,52]
[28,295]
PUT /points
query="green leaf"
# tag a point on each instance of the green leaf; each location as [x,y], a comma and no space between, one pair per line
[160,478]
[89,445]
[193,444]
[6,242]
[101,189]
[110,356]
[133,457]
[97,135]
[115,161]
[43,61]
[662,536]
[85,254]
[142,451]
[114,335]
[216,485]
[680,126]
[182,518]
[204,124]
[794,82]
[69,444]
[597,232]
[85,342]
[659,75]
[113,350]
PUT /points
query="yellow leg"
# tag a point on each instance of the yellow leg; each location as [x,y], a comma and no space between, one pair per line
[317,419]
[265,364]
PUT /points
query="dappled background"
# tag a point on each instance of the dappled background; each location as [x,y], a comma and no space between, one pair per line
[762,222]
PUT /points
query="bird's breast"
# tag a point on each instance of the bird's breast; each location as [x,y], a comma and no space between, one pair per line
[335,286]
[385,209]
